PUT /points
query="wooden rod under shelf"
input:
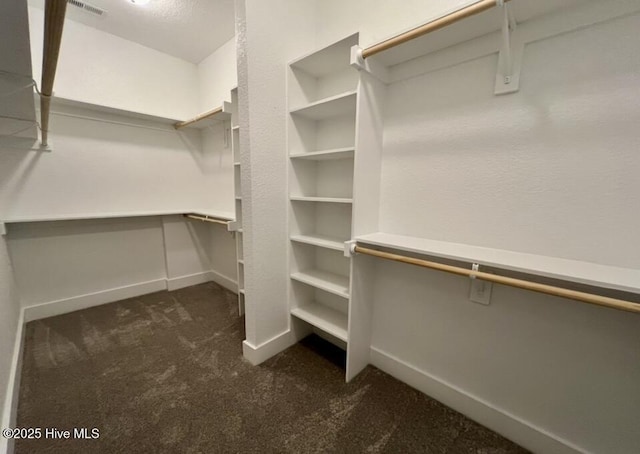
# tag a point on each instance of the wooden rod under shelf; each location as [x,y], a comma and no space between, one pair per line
[206,219]
[436,24]
[584,297]
[54,12]
[211,113]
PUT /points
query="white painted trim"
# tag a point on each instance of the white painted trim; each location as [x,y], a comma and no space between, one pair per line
[224,281]
[75,303]
[264,351]
[520,431]
[10,409]
[188,280]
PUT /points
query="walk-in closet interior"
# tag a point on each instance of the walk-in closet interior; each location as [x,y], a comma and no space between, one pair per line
[320,226]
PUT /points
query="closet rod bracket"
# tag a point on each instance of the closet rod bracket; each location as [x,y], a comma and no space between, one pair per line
[369,65]
[350,248]
[510,56]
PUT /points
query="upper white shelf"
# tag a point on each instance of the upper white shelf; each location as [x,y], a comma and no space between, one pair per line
[223,215]
[604,276]
[327,60]
[342,104]
[207,119]
[82,108]
[325,155]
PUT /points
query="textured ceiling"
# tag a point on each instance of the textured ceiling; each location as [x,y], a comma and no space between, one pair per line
[187,29]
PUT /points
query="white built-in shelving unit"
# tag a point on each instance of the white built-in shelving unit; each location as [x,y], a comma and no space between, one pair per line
[237,168]
[322,99]
[337,111]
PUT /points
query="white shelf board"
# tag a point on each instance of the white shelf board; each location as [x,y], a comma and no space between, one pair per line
[330,282]
[320,240]
[224,215]
[334,106]
[323,155]
[210,120]
[327,60]
[241,291]
[81,108]
[321,199]
[328,320]
[236,163]
[241,262]
[593,274]
[235,128]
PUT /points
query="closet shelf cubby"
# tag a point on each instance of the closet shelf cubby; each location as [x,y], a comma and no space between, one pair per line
[330,282]
[328,320]
[333,106]
[320,240]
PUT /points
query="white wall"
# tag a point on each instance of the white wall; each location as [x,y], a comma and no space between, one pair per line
[275,32]
[9,313]
[217,75]
[99,68]
[550,170]
[60,260]
[376,20]
[198,252]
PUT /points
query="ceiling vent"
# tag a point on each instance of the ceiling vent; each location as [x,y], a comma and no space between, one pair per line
[87,7]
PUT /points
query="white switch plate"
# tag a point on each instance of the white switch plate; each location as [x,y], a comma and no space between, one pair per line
[480,291]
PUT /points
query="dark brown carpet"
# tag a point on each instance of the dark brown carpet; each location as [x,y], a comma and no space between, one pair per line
[164,373]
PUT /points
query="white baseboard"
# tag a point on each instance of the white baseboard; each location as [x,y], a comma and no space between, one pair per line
[510,426]
[188,280]
[10,409]
[264,351]
[224,281]
[75,303]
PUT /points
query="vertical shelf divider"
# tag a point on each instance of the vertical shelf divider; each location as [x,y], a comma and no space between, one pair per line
[366,209]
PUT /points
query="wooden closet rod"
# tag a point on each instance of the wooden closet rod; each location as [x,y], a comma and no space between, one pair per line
[519,283]
[54,12]
[211,113]
[206,219]
[436,24]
